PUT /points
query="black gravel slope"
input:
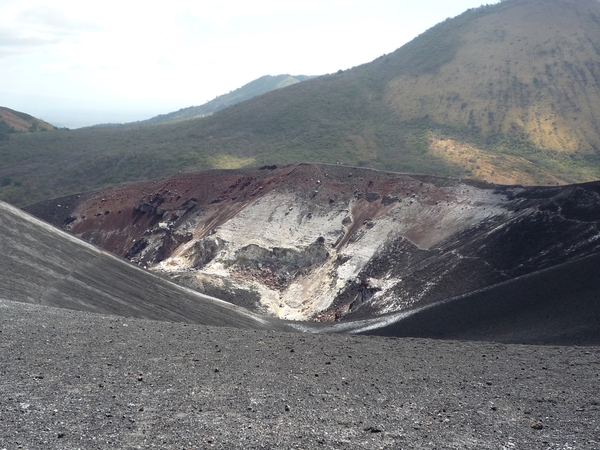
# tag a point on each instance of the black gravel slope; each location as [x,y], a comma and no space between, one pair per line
[560,305]
[73,380]
[43,265]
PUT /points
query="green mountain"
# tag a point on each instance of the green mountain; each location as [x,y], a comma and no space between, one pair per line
[509,93]
[257,87]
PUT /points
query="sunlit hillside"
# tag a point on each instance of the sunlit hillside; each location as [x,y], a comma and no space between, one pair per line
[524,76]
[15,122]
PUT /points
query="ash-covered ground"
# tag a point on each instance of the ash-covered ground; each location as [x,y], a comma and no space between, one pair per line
[74,380]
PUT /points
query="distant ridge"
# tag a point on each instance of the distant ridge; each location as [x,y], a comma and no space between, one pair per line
[259,86]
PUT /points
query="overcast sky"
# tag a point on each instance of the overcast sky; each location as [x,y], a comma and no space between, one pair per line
[76,63]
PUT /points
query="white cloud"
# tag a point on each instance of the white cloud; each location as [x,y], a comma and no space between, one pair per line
[29,27]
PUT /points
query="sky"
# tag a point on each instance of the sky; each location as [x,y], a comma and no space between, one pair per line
[75,63]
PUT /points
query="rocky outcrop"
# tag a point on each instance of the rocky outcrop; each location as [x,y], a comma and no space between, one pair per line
[333,243]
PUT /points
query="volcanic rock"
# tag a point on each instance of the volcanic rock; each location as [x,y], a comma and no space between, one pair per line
[419,239]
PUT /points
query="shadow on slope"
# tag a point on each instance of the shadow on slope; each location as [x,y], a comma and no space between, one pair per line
[560,305]
[43,265]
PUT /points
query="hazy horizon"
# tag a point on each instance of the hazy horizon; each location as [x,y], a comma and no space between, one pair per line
[76,64]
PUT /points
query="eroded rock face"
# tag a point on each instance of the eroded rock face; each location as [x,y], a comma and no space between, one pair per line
[330,242]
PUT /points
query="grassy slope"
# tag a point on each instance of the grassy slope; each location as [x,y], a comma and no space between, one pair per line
[508,92]
[12,121]
[524,81]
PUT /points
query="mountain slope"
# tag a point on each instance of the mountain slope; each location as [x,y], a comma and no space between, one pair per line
[513,83]
[257,87]
[14,121]
[508,93]
[524,77]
